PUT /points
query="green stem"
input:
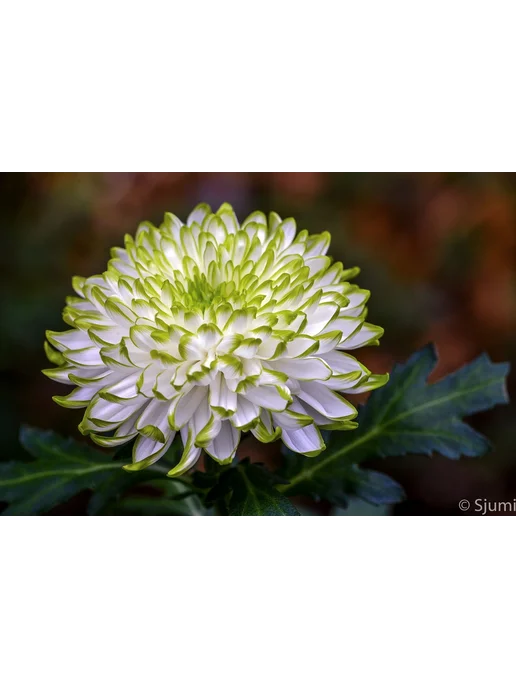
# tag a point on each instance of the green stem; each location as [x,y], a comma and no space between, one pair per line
[307,473]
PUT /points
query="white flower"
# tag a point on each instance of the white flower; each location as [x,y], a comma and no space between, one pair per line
[214,328]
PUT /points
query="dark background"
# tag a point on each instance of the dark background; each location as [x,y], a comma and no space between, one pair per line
[438,252]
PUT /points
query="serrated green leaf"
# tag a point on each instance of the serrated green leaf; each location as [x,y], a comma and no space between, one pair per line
[150,506]
[378,489]
[111,489]
[62,468]
[253,493]
[408,415]
[48,445]
[158,506]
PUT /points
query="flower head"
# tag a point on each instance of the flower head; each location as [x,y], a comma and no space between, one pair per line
[212,328]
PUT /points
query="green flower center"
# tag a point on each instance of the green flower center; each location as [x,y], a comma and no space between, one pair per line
[199,292]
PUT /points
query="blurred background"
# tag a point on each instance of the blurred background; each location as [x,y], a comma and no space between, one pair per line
[438,252]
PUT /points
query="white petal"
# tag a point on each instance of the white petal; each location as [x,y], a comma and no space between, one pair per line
[257,217]
[326,401]
[289,230]
[155,414]
[274,221]
[224,446]
[172,224]
[328,341]
[294,417]
[318,418]
[309,368]
[342,363]
[114,441]
[198,214]
[209,337]
[61,374]
[357,302]
[200,418]
[80,397]
[128,427]
[141,338]
[268,376]
[124,388]
[217,229]
[345,325]
[85,376]
[86,357]
[316,264]
[111,334]
[164,383]
[267,397]
[190,455]
[147,451]
[367,334]
[137,356]
[71,339]
[344,383]
[247,349]
[318,245]
[245,413]
[119,313]
[320,319]
[306,440]
[186,406]
[299,346]
[229,218]
[269,348]
[111,412]
[221,397]
[149,377]
[373,382]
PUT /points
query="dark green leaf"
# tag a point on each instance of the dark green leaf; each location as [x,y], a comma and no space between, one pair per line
[150,506]
[111,489]
[63,468]
[48,445]
[116,485]
[378,488]
[408,415]
[253,493]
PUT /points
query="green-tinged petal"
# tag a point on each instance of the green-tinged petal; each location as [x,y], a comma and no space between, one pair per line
[53,355]
[190,454]
[373,382]
[79,398]
[147,451]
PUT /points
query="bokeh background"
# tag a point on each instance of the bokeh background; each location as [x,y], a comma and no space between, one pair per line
[438,252]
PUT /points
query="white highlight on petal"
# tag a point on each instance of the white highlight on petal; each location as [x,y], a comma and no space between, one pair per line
[267,397]
[187,405]
[309,368]
[221,396]
[112,412]
[326,401]
[246,412]
[149,451]
[190,455]
[198,214]
[84,357]
[224,446]
[365,335]
[306,440]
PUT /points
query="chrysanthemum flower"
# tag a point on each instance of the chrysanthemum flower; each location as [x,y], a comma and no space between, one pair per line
[212,329]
